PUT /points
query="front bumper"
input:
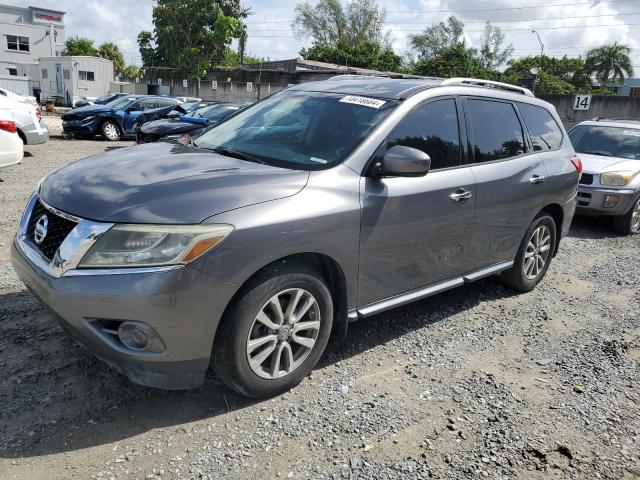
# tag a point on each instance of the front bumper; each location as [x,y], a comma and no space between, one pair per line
[80,127]
[181,305]
[593,201]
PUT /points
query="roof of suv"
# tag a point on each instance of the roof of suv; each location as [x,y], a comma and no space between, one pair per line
[399,88]
[613,122]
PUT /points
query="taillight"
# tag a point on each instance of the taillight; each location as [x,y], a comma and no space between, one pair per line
[8,126]
[577,163]
[38,112]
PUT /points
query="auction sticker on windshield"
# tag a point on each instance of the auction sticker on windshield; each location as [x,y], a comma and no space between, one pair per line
[364,101]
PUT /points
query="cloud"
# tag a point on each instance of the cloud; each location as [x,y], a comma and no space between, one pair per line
[270,34]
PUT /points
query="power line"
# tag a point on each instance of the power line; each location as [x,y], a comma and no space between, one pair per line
[492,21]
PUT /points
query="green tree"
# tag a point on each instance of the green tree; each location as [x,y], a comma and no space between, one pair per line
[110,51]
[610,63]
[455,61]
[491,54]
[146,46]
[351,35]
[132,71]
[76,46]
[192,36]
[436,39]
[556,75]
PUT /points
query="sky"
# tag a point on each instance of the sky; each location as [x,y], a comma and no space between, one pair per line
[565,26]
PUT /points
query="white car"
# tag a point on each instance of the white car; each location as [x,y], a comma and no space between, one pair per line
[18,98]
[11,146]
[28,118]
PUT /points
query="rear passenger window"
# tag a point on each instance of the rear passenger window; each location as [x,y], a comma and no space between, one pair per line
[432,128]
[543,129]
[495,129]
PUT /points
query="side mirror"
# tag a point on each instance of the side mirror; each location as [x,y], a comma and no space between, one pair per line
[401,161]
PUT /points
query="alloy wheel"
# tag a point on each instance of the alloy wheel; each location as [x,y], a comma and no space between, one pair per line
[111,131]
[635,218]
[283,333]
[537,253]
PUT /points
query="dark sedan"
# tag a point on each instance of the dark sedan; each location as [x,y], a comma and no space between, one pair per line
[190,125]
[114,120]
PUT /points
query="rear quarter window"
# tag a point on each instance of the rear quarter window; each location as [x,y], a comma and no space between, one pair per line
[543,129]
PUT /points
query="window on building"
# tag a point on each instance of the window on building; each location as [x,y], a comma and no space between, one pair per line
[66,74]
[45,74]
[545,132]
[634,92]
[496,130]
[432,128]
[85,75]
[13,71]
[17,43]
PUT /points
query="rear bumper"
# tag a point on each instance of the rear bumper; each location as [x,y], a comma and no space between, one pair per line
[176,303]
[36,134]
[593,201]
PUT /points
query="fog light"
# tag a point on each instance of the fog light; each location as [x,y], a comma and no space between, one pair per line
[611,201]
[136,336]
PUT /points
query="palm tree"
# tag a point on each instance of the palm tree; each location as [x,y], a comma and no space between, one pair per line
[609,63]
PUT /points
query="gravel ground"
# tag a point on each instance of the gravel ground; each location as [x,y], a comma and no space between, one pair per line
[477,382]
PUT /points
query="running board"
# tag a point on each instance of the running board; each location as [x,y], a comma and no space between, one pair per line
[406,298]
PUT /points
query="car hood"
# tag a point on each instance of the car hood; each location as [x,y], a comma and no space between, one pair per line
[164,183]
[598,164]
[86,111]
[168,126]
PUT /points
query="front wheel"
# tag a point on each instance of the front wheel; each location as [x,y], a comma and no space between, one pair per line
[274,334]
[628,224]
[534,255]
[110,131]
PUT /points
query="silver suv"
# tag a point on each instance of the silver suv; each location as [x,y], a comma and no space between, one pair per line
[323,204]
[610,183]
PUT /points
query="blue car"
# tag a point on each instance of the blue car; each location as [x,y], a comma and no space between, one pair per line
[103,100]
[113,121]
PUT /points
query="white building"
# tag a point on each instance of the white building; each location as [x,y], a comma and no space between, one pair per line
[26,34]
[67,79]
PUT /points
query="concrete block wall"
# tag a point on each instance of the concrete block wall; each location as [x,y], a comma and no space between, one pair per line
[601,106]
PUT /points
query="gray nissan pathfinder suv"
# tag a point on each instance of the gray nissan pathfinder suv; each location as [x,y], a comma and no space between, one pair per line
[320,205]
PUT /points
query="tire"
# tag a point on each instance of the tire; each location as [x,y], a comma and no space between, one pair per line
[524,276]
[628,224]
[110,131]
[245,321]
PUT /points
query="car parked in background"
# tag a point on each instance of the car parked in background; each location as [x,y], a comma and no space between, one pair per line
[188,99]
[102,100]
[114,120]
[610,182]
[322,204]
[189,125]
[11,146]
[28,120]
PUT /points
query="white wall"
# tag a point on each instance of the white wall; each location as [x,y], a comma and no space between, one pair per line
[69,90]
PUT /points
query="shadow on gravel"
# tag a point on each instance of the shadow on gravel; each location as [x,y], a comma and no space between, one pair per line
[592,227]
[55,397]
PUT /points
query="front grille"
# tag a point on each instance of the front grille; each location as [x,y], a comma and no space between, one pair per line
[586,179]
[57,230]
[584,199]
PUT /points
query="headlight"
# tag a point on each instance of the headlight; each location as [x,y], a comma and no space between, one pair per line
[151,245]
[617,178]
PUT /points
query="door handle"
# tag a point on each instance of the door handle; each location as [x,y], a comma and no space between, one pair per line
[460,195]
[536,179]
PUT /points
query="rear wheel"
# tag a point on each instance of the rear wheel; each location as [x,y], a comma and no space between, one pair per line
[628,224]
[110,131]
[534,255]
[274,334]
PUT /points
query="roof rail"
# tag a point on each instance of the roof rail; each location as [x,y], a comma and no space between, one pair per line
[476,82]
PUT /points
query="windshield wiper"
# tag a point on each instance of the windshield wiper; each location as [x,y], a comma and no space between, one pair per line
[229,152]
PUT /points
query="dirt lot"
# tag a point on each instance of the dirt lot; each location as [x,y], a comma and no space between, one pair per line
[477,382]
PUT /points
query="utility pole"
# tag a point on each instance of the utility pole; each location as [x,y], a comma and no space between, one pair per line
[541,44]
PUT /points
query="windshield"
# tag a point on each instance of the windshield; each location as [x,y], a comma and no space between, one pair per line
[119,102]
[621,142]
[304,130]
[106,96]
[215,113]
